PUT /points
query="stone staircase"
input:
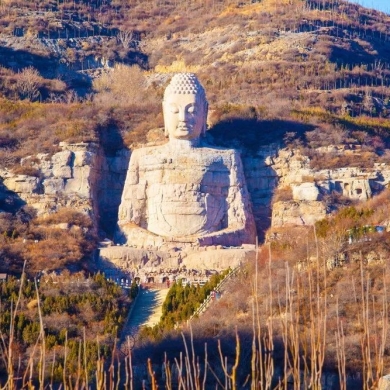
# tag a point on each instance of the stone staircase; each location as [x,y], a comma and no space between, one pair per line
[218,289]
[147,310]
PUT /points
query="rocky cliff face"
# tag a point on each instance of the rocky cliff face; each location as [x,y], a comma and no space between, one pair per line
[80,176]
[83,177]
[306,192]
[66,179]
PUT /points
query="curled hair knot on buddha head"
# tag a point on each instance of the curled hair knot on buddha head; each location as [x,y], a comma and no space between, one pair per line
[185,83]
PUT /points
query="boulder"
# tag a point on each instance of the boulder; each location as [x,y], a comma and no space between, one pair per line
[305,191]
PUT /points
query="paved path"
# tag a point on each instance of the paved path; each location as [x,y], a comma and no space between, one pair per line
[147,310]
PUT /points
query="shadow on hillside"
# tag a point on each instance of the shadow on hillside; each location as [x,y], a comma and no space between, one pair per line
[252,134]
[175,351]
[50,67]
[356,55]
[19,59]
[171,349]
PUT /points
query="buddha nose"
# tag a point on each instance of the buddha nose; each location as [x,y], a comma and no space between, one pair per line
[182,115]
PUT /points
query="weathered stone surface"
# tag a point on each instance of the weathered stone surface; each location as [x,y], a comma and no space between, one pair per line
[61,164]
[83,158]
[197,193]
[210,258]
[217,259]
[53,186]
[297,213]
[22,184]
[127,258]
[305,191]
[80,182]
[67,179]
[274,167]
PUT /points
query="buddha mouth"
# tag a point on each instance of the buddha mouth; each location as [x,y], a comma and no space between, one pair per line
[183,130]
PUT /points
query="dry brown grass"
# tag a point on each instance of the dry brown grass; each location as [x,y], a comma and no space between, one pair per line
[282,194]
[341,298]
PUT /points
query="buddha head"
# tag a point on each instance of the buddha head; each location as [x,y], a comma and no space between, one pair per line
[185,108]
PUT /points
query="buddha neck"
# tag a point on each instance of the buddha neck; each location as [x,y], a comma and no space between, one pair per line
[184,143]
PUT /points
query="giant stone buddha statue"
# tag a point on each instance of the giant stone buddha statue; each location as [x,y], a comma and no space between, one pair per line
[185,191]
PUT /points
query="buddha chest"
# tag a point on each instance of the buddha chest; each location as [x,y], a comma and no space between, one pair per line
[185,194]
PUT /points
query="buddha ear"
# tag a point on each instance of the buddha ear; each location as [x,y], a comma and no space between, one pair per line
[166,132]
[206,110]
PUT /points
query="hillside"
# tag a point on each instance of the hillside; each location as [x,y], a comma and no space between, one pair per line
[291,50]
[316,62]
[315,303]
[322,288]
[300,87]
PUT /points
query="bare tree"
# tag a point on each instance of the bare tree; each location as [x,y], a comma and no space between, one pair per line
[125,38]
[123,84]
[28,82]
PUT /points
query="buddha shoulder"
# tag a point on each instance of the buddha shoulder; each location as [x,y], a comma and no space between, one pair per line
[153,154]
[228,156]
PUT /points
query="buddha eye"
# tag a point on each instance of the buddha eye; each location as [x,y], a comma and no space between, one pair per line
[174,109]
[191,110]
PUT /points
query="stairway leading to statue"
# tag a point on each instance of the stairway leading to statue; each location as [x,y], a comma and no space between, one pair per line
[147,310]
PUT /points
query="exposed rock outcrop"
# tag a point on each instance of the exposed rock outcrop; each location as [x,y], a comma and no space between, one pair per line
[79,176]
[297,213]
[272,168]
[83,177]
[66,179]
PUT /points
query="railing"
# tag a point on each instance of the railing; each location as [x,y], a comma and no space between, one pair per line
[205,304]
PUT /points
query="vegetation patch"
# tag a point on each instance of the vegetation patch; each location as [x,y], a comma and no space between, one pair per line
[180,304]
[82,317]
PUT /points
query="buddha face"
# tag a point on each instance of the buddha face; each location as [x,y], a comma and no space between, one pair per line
[184,116]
